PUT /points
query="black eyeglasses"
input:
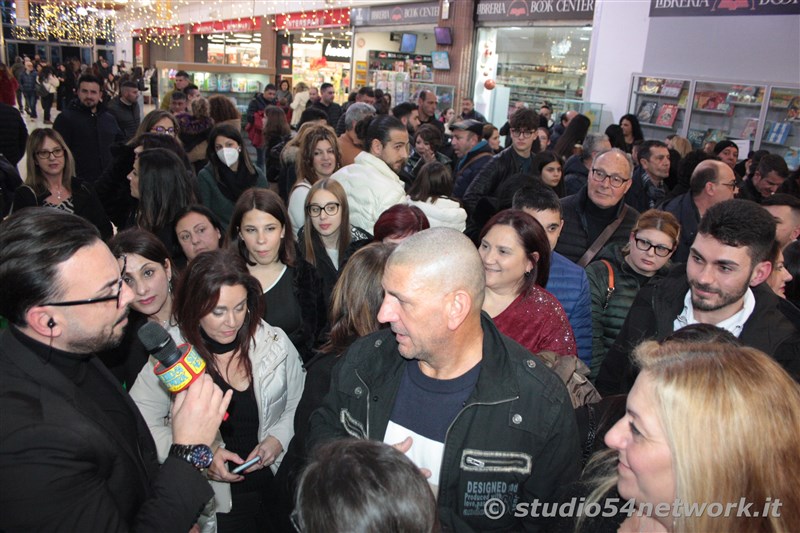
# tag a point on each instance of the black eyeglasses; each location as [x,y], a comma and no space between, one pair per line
[733,185]
[102,298]
[600,176]
[315,210]
[522,134]
[47,154]
[644,245]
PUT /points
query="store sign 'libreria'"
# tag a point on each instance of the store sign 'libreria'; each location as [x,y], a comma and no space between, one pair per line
[706,8]
[511,10]
[421,13]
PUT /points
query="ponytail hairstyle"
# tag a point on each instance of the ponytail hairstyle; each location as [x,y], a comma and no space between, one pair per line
[377,127]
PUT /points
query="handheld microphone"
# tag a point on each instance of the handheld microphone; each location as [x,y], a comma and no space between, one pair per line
[178,366]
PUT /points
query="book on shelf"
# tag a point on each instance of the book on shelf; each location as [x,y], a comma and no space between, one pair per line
[697,138]
[793,109]
[710,100]
[749,130]
[683,97]
[715,135]
[781,99]
[671,88]
[741,94]
[779,132]
[650,85]
[792,157]
[646,111]
[666,115]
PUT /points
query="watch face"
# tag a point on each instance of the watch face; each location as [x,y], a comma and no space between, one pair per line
[202,456]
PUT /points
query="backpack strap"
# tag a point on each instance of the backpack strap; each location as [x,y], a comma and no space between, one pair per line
[611,289]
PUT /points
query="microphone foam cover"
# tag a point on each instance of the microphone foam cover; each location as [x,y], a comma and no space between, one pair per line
[157,341]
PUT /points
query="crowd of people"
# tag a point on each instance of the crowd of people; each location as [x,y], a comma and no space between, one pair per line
[404,325]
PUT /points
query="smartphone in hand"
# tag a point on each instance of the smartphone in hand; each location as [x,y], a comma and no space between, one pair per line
[244,466]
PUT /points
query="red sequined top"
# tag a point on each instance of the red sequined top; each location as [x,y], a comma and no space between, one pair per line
[538,322]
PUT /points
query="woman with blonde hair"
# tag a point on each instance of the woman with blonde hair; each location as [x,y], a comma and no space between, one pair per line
[51,182]
[680,145]
[707,424]
[622,270]
[299,101]
[318,158]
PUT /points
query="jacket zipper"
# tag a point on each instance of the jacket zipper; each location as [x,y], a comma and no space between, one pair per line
[447,433]
[368,395]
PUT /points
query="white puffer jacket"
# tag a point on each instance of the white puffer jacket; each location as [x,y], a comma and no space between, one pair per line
[278,381]
[443,213]
[372,187]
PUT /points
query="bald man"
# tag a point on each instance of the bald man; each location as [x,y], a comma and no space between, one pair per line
[712,182]
[464,402]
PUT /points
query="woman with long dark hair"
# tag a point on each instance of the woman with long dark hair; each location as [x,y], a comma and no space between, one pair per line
[163,187]
[194,130]
[573,136]
[276,131]
[228,174]
[631,130]
[218,308]
[549,168]
[292,295]
[516,257]
[51,181]
[149,272]
[431,192]
[49,81]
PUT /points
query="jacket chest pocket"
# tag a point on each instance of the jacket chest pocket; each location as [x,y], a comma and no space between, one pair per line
[485,461]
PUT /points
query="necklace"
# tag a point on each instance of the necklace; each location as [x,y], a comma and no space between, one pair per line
[57,192]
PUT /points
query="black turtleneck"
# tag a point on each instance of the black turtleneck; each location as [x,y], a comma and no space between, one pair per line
[597,218]
[89,379]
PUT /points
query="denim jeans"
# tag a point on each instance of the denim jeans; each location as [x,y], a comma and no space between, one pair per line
[30,102]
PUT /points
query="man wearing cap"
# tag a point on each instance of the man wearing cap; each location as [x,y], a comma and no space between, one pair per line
[472,153]
[772,171]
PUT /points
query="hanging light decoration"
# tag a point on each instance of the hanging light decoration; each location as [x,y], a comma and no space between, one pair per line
[81,22]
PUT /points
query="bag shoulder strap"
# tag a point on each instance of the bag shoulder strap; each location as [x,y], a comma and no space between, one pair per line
[610,289]
[602,239]
[481,155]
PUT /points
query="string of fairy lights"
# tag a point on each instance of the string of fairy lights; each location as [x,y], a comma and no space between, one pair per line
[164,22]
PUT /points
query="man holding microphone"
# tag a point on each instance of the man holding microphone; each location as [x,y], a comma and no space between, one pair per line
[75,454]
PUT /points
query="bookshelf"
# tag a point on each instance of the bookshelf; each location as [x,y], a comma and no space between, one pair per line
[660,104]
[765,116]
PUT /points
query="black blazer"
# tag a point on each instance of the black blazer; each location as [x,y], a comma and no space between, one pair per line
[64,468]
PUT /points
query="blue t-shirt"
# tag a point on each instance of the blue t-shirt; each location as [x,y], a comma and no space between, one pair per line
[423,409]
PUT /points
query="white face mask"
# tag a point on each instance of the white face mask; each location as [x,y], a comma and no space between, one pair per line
[229,156]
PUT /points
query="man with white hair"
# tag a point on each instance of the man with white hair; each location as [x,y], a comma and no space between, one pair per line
[464,402]
[349,143]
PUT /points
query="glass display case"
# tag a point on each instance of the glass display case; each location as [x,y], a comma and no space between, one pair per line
[754,115]
[780,133]
[725,111]
[234,81]
[659,104]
